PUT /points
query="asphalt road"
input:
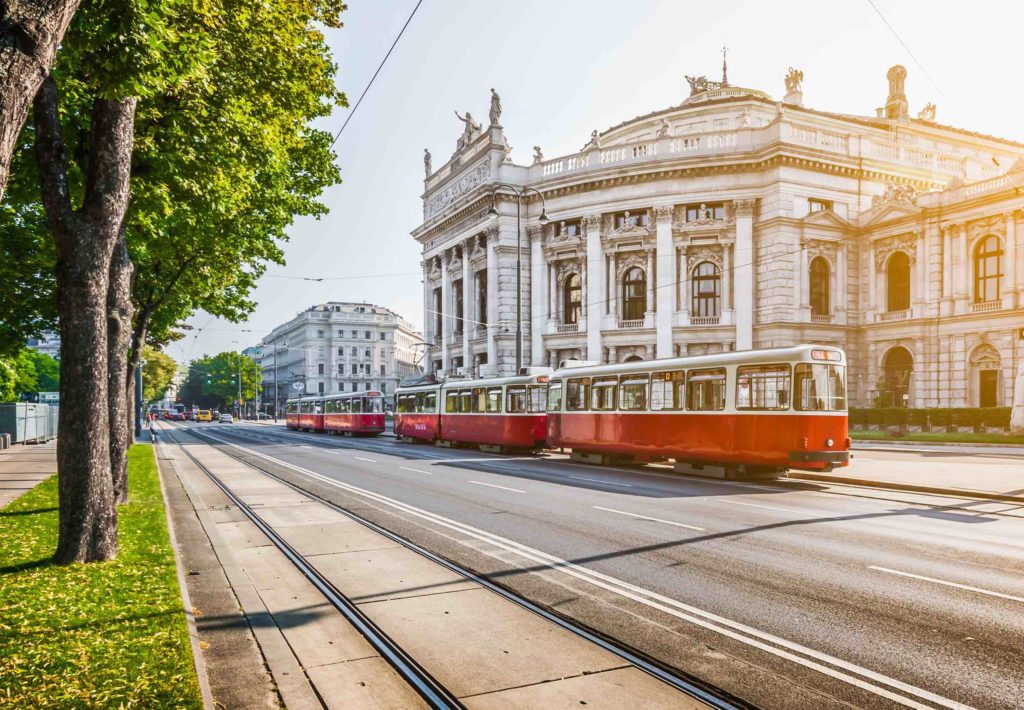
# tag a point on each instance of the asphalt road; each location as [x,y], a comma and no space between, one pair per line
[789,594]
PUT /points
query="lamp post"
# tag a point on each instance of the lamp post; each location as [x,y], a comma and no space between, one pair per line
[493,212]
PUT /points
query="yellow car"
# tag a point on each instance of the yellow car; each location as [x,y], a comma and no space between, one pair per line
[204,415]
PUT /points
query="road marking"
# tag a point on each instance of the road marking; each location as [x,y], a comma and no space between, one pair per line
[406,468]
[766,507]
[491,485]
[601,480]
[783,648]
[360,458]
[948,584]
[647,517]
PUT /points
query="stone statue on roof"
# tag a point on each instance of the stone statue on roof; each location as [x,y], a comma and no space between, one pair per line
[538,156]
[594,142]
[794,80]
[665,129]
[495,115]
[426,162]
[471,130]
[927,113]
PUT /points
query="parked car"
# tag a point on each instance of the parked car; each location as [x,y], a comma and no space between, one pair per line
[226,418]
[263,415]
[204,415]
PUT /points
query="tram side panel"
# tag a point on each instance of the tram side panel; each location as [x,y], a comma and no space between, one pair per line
[518,431]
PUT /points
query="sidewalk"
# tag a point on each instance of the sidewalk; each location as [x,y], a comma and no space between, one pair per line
[23,467]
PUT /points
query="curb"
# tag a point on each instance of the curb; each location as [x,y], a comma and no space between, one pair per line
[959,492]
[949,444]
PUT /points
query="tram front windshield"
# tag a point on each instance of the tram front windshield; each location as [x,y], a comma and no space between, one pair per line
[373,405]
[820,388]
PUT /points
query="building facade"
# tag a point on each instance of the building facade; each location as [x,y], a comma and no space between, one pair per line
[338,347]
[735,221]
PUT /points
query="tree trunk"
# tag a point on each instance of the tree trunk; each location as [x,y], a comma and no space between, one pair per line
[85,240]
[30,32]
[119,332]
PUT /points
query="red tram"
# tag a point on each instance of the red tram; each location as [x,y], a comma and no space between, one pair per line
[501,413]
[354,413]
[757,411]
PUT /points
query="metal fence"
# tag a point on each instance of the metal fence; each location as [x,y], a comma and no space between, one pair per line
[27,422]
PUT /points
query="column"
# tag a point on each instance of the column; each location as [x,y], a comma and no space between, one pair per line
[492,297]
[666,272]
[839,306]
[804,284]
[539,313]
[467,309]
[919,298]
[428,317]
[728,307]
[963,270]
[552,293]
[872,285]
[595,260]
[684,287]
[649,310]
[1010,270]
[446,307]
[743,274]
[610,307]
[947,272]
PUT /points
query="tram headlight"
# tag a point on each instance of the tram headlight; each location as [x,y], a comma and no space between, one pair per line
[829,443]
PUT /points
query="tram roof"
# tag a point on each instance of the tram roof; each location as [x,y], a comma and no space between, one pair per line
[796,353]
[338,395]
[450,384]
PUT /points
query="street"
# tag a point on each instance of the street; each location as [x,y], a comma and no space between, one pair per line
[786,594]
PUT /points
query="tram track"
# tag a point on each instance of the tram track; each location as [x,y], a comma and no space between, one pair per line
[434,693]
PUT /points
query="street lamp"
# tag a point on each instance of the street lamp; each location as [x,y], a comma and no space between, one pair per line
[493,212]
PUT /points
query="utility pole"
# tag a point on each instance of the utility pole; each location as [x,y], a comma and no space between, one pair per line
[275,382]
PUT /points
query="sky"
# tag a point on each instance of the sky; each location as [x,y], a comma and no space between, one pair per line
[566,67]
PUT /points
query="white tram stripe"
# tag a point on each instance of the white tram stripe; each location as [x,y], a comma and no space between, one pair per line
[602,480]
[647,517]
[491,485]
[864,678]
[948,584]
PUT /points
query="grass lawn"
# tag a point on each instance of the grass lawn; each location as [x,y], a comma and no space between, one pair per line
[960,438]
[107,634]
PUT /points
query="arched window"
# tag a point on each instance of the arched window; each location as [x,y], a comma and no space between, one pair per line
[821,296]
[633,358]
[897,275]
[634,294]
[705,291]
[988,269]
[572,299]
[897,369]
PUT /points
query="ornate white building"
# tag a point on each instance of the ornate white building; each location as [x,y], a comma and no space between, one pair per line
[734,221]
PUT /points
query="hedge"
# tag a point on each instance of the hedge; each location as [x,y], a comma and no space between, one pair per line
[936,417]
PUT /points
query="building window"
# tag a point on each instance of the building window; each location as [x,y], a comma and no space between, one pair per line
[341,352]
[634,294]
[631,220]
[819,287]
[355,368]
[705,291]
[481,296]
[320,387]
[988,270]
[383,336]
[367,334]
[816,205]
[367,351]
[355,333]
[570,228]
[572,299]
[320,369]
[383,387]
[319,334]
[383,370]
[457,298]
[897,275]
[341,368]
[705,211]
[355,386]
[897,372]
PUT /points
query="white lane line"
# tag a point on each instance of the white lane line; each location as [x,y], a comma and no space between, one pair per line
[406,468]
[491,485]
[647,517]
[846,671]
[506,468]
[360,458]
[601,480]
[948,584]
[766,507]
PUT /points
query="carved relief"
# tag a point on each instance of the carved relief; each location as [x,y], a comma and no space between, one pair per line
[534,232]
[477,176]
[591,222]
[663,214]
[565,268]
[996,224]
[820,247]
[435,267]
[624,262]
[696,255]
[744,208]
[901,242]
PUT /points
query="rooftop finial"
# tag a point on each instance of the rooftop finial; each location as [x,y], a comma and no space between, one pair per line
[725,67]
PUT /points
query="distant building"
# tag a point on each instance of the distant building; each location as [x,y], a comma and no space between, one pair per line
[339,347]
[254,353]
[48,344]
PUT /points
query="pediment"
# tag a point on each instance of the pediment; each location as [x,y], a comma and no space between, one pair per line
[889,211]
[827,219]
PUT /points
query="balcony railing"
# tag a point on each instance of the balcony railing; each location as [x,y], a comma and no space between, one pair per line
[986,306]
[568,328]
[628,324]
[705,320]
[894,315]
[821,318]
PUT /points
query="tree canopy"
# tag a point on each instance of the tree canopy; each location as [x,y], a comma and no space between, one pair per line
[158,369]
[213,381]
[27,371]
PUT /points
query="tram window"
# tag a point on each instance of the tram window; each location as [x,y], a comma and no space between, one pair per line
[577,392]
[479,400]
[515,400]
[356,404]
[602,393]
[318,407]
[494,400]
[762,387]
[668,390]
[451,403]
[555,396]
[374,405]
[303,408]
[705,390]
[536,401]
[820,388]
[329,406]
[633,393]
[403,405]
[430,402]
[465,401]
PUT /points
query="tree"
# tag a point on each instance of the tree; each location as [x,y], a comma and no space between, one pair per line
[30,32]
[157,372]
[20,373]
[47,371]
[213,381]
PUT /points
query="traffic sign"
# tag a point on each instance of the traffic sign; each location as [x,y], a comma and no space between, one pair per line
[298,386]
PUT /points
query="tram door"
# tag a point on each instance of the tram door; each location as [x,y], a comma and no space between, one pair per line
[987,388]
